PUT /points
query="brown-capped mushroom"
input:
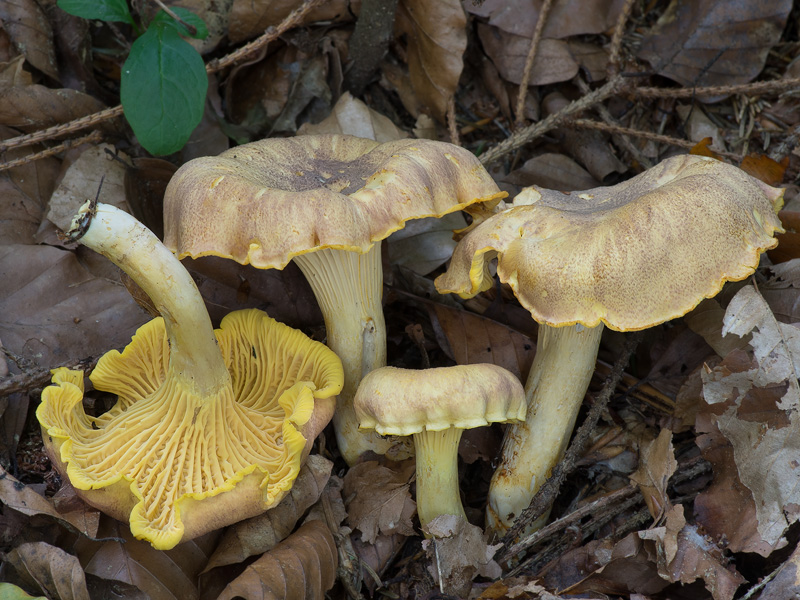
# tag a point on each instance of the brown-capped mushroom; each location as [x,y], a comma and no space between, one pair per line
[435,406]
[325,201]
[629,257]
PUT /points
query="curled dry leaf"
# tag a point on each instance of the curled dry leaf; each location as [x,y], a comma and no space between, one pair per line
[437,39]
[705,42]
[26,24]
[351,116]
[458,553]
[656,465]
[379,500]
[56,573]
[263,532]
[301,566]
[33,107]
[565,18]
[685,554]
[765,445]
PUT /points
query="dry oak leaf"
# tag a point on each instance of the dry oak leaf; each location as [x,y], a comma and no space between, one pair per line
[765,446]
[301,566]
[26,24]
[656,465]
[437,39]
[261,533]
[378,499]
[684,554]
[706,42]
[56,573]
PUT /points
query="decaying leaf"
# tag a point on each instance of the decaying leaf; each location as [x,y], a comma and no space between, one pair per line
[35,106]
[378,499]
[458,553]
[424,245]
[301,566]
[56,573]
[704,42]
[684,554]
[262,533]
[351,116]
[766,445]
[437,39]
[554,172]
[656,465]
[26,24]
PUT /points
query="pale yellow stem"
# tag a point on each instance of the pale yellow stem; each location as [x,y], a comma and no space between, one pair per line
[557,383]
[194,354]
[437,474]
[348,287]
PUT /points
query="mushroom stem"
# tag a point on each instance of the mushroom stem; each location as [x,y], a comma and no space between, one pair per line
[437,474]
[356,331]
[557,383]
[195,356]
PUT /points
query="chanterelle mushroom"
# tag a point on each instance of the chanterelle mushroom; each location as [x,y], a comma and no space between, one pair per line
[326,201]
[210,427]
[629,256]
[435,406]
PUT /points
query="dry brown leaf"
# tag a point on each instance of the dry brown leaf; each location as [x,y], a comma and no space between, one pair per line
[33,107]
[301,566]
[764,168]
[552,171]
[726,509]
[53,309]
[468,338]
[249,18]
[786,583]
[684,554]
[458,553]
[788,243]
[23,499]
[566,17]
[27,25]
[656,465]
[705,42]
[351,116]
[162,575]
[57,574]
[437,39]
[766,445]
[262,533]
[554,60]
[424,245]
[378,499]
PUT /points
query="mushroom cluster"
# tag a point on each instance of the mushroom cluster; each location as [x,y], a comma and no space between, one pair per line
[629,256]
[325,201]
[210,427]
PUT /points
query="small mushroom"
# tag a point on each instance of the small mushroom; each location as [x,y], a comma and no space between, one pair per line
[629,256]
[210,427]
[325,201]
[435,406]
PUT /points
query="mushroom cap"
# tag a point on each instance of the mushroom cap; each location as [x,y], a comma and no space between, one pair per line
[176,465]
[631,255]
[263,203]
[396,401]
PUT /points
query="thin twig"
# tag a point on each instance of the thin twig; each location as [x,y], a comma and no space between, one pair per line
[759,87]
[93,137]
[189,27]
[523,136]
[294,18]
[526,71]
[616,39]
[647,135]
[544,498]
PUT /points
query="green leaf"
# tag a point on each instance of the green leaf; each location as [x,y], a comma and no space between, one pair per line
[104,10]
[163,89]
[188,17]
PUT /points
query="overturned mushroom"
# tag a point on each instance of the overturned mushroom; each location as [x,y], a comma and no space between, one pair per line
[435,406]
[210,427]
[629,256]
[325,201]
